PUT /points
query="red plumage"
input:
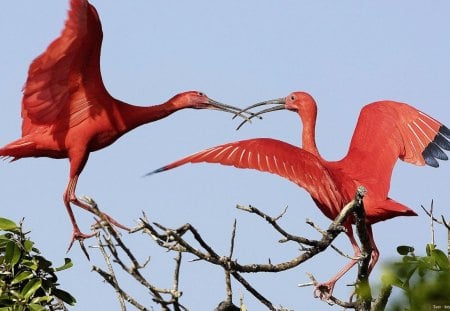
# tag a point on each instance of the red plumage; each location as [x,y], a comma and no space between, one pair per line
[68,113]
[386,131]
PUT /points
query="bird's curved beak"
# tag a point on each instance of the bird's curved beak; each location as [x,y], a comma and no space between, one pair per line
[215,105]
[279,104]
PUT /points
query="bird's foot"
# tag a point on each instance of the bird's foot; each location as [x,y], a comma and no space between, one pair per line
[90,205]
[324,290]
[80,237]
[111,221]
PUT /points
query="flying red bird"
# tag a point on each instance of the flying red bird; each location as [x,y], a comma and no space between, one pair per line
[386,131]
[67,111]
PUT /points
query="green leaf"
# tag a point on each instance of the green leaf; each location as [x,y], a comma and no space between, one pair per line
[28,245]
[441,259]
[429,248]
[24,275]
[67,264]
[42,299]
[404,250]
[32,264]
[7,225]
[32,286]
[427,263]
[390,279]
[36,307]
[12,253]
[64,296]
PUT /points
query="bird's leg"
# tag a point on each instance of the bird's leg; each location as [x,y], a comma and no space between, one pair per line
[375,252]
[325,290]
[91,206]
[76,233]
[69,196]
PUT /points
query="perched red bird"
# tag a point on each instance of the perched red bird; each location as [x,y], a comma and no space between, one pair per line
[386,131]
[68,113]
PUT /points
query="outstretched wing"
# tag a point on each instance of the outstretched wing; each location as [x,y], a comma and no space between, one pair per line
[387,131]
[276,157]
[62,81]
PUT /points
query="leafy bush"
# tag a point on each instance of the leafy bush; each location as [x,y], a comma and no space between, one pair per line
[424,280]
[28,282]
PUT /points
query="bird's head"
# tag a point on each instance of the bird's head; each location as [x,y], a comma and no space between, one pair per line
[199,100]
[300,102]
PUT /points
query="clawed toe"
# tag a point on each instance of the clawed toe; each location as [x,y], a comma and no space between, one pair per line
[113,223]
[77,235]
[324,291]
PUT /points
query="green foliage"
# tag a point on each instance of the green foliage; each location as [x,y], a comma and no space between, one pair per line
[27,280]
[424,280]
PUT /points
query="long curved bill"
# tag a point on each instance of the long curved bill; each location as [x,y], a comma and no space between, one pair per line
[279,102]
[238,112]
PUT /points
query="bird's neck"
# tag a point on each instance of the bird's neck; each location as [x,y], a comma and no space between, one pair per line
[309,133]
[134,116]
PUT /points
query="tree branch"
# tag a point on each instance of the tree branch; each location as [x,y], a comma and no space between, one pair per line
[177,240]
[362,282]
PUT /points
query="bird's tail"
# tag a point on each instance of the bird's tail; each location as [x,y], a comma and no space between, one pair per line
[17,149]
[389,209]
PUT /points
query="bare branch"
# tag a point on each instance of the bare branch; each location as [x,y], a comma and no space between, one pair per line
[362,282]
[253,291]
[382,299]
[187,239]
[109,277]
[273,222]
[113,282]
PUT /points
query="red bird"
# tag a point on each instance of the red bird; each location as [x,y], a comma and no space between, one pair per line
[386,131]
[67,111]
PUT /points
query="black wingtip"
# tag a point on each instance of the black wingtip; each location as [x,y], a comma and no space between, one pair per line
[429,159]
[444,131]
[435,149]
[159,170]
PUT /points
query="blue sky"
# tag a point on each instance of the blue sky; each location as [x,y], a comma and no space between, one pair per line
[239,52]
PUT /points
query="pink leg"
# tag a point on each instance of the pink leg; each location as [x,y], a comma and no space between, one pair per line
[69,197]
[325,290]
[375,252]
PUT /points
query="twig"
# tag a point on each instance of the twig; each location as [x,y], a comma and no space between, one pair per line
[110,280]
[227,271]
[133,271]
[432,223]
[273,222]
[176,294]
[446,224]
[253,291]
[112,275]
[323,232]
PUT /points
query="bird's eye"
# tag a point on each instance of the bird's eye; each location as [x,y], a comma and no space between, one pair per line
[292,97]
[201,94]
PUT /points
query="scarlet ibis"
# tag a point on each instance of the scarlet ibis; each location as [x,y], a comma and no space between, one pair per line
[67,111]
[386,131]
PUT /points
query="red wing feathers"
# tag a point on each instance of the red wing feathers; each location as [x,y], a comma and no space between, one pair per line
[276,157]
[418,137]
[56,87]
[387,131]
